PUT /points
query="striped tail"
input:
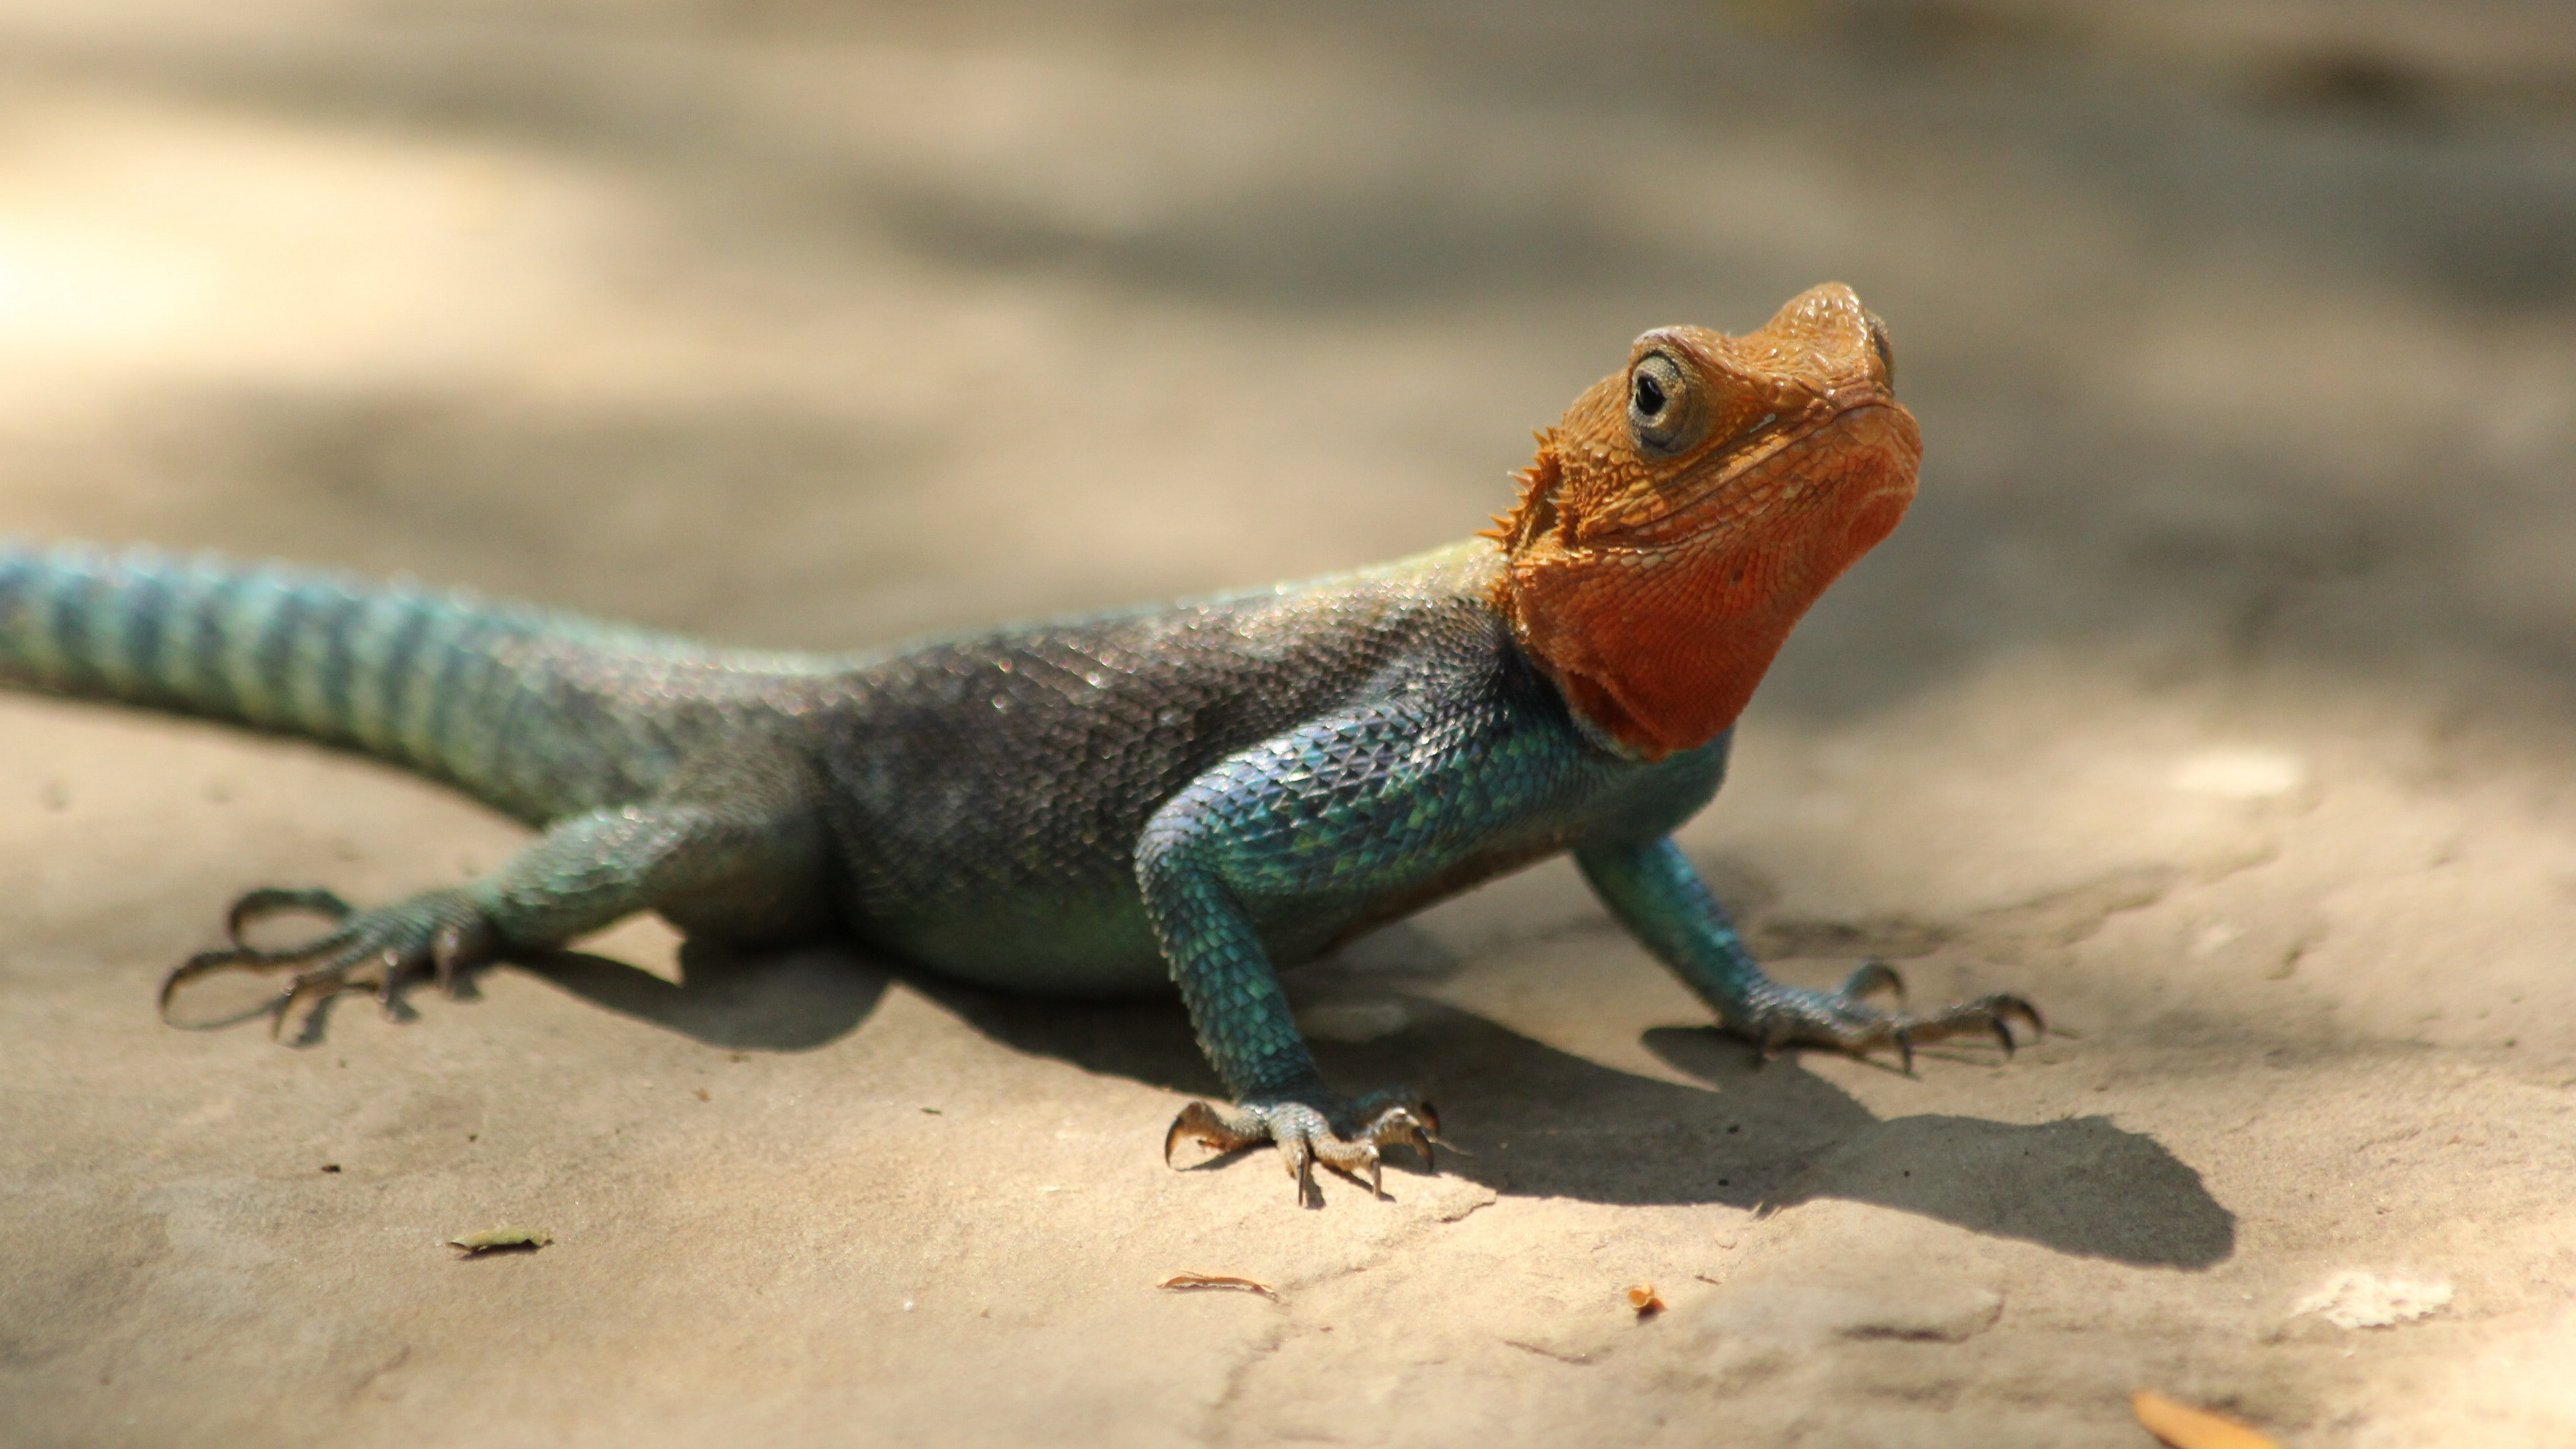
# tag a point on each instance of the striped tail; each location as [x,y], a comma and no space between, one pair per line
[535,712]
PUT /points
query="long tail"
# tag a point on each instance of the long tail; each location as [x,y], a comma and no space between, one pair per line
[536,712]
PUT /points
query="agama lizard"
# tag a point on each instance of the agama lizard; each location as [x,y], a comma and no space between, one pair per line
[1194,793]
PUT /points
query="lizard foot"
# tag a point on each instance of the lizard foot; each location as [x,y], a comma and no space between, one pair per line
[437,933]
[1308,1133]
[1789,1015]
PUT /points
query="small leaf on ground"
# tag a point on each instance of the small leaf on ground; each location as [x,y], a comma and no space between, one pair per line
[497,1238]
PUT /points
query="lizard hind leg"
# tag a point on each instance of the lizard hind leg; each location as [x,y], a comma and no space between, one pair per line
[1306,1134]
[732,846]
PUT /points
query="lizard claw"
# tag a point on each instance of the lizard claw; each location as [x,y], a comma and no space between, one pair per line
[1840,1019]
[1993,1014]
[1211,1128]
[1306,1135]
[438,933]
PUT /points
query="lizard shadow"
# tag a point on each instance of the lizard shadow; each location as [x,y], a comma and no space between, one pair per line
[2077,1185]
[1532,1120]
[1539,1122]
[743,1000]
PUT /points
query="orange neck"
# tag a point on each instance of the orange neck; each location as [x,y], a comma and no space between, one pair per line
[1661,649]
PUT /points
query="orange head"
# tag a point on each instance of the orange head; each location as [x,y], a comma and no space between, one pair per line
[1689,507]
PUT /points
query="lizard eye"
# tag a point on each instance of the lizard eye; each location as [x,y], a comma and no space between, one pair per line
[1886,353]
[1665,414]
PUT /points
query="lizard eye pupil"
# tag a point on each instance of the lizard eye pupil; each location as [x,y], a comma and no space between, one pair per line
[1667,414]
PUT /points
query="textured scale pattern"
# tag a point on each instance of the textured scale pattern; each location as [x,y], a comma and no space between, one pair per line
[527,709]
[1194,793]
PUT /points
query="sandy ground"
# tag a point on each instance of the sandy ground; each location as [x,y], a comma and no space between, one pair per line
[2217,695]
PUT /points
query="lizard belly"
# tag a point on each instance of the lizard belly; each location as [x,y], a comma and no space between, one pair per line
[1082,945]
[1102,944]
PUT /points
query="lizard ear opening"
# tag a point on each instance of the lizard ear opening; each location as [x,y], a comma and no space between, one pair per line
[1668,412]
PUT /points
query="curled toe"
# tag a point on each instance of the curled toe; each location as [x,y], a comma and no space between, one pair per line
[1307,1137]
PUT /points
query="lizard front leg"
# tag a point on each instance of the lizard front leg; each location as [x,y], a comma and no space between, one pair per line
[1653,890]
[1251,830]
[735,849]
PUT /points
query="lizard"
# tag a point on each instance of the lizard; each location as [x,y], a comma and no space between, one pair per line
[1184,795]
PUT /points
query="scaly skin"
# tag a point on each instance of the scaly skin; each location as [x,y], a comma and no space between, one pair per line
[1197,792]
